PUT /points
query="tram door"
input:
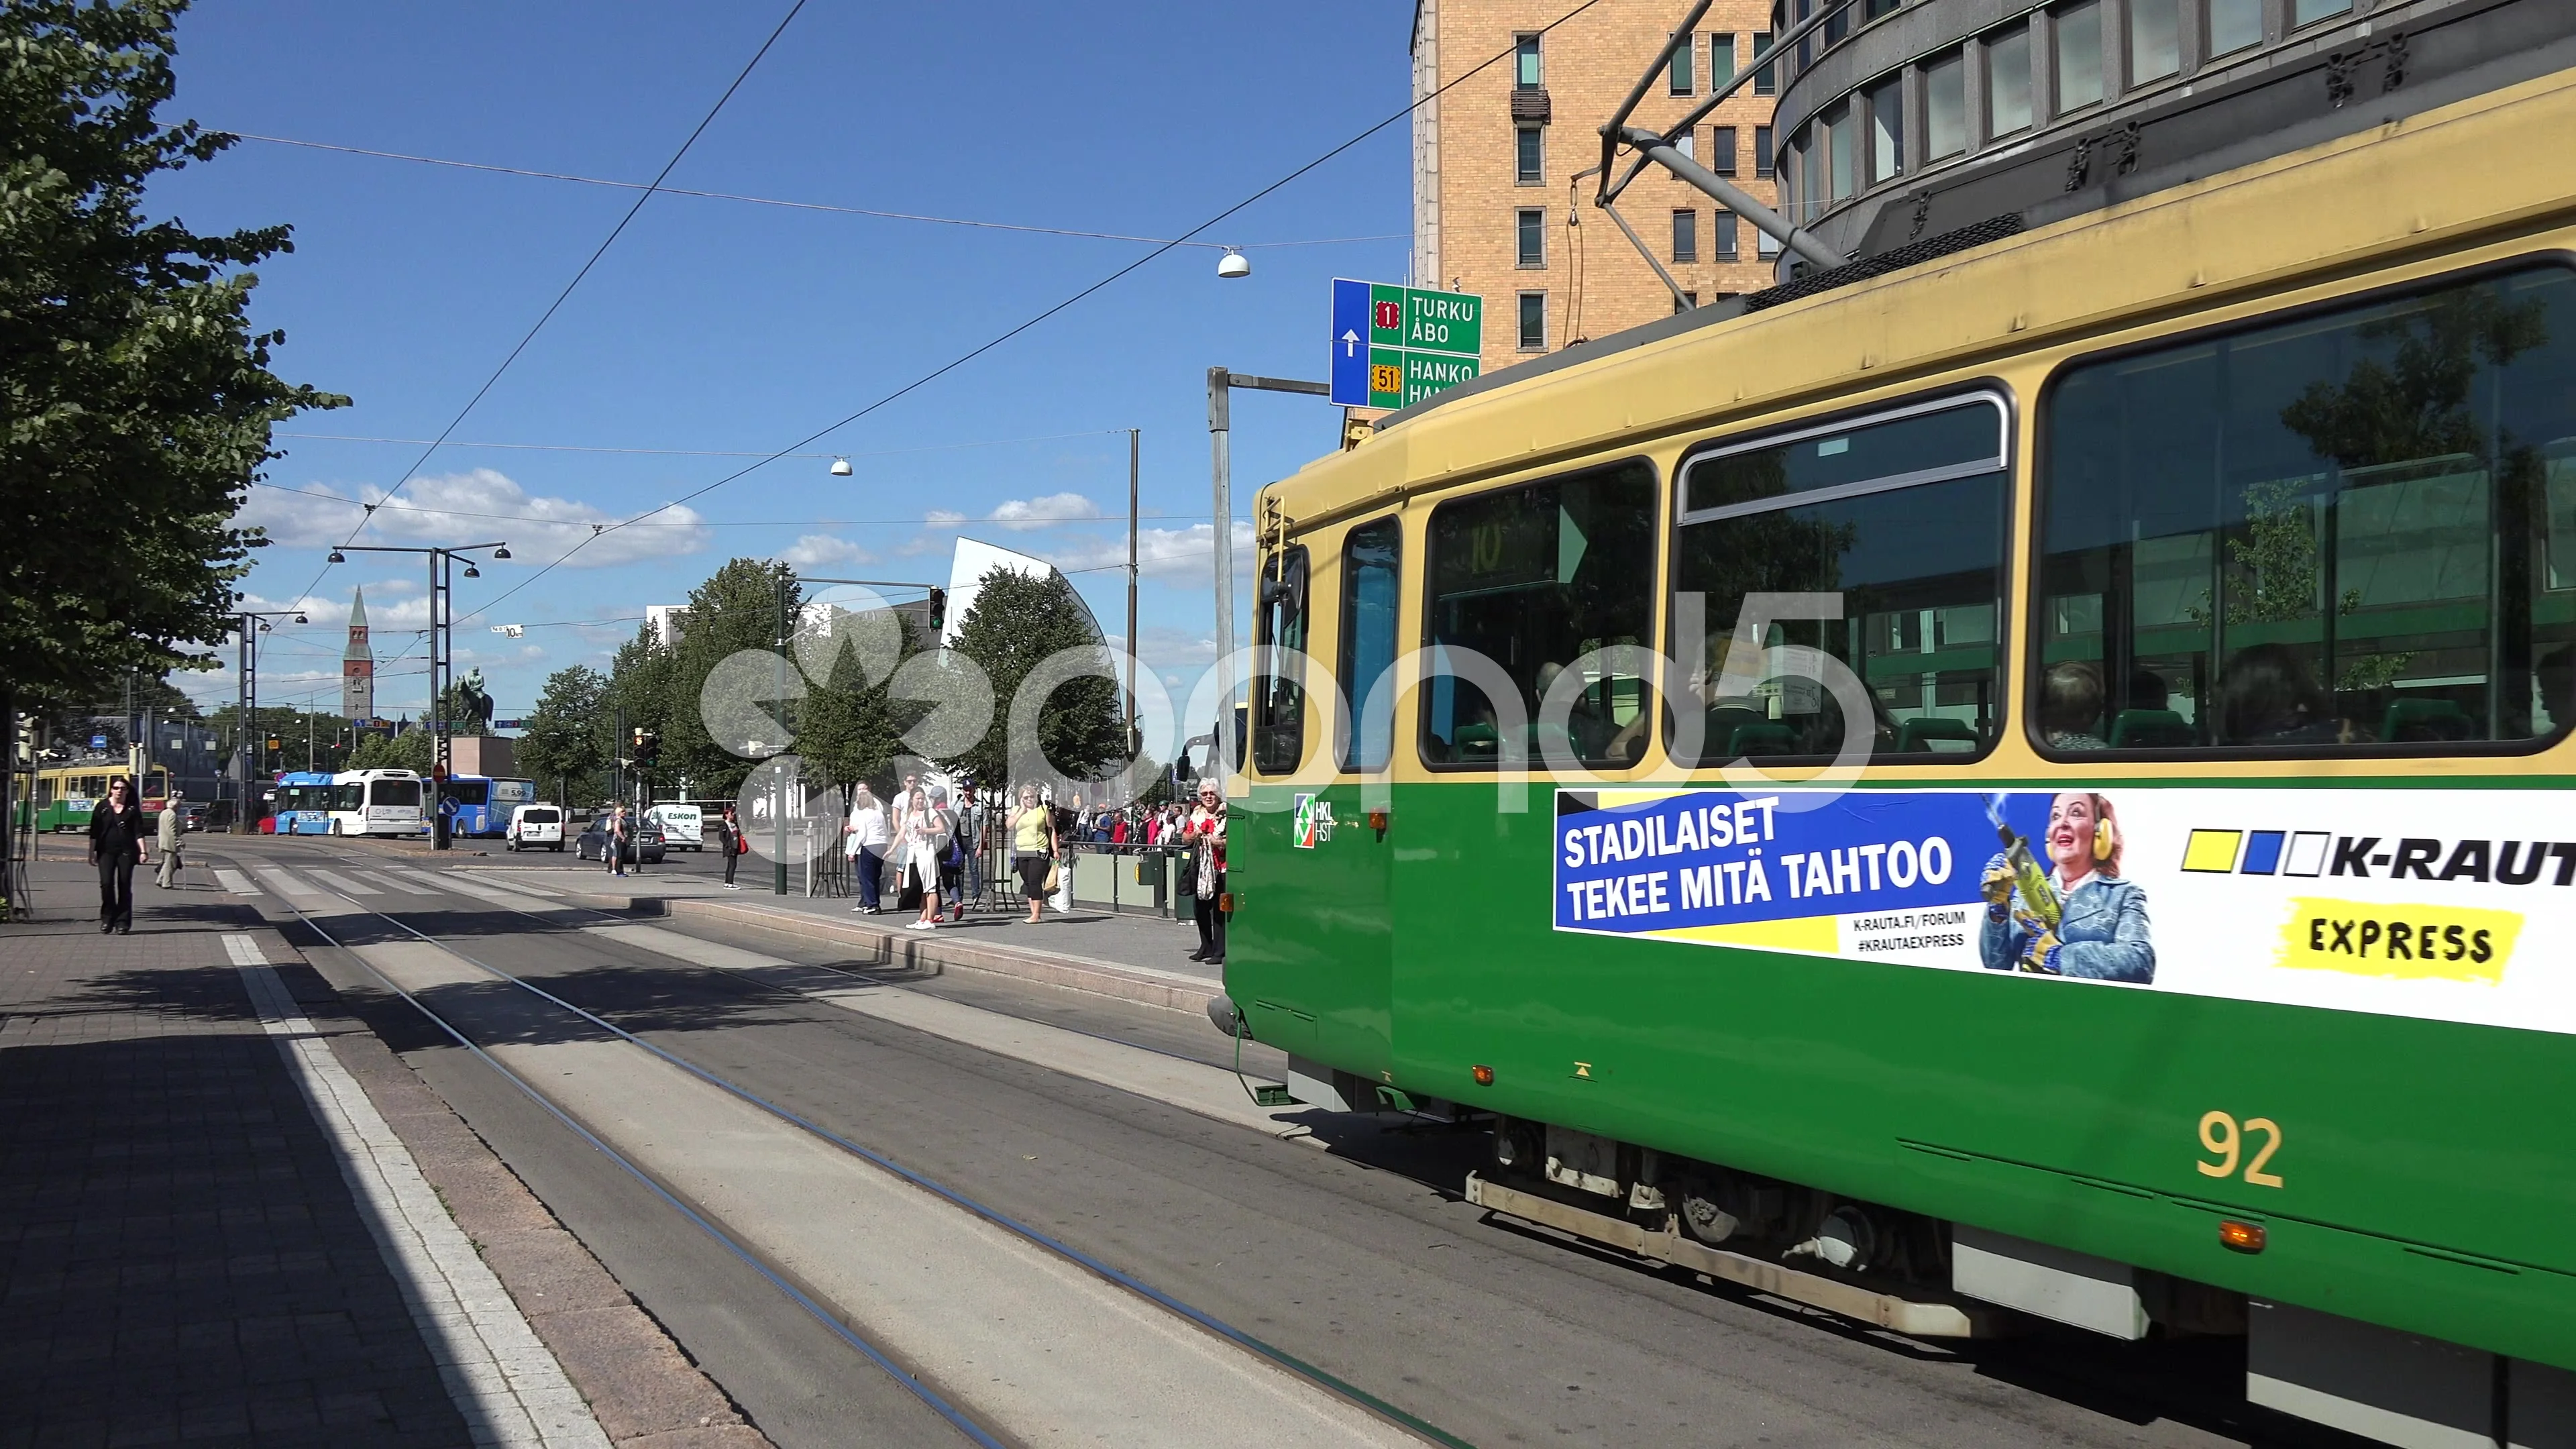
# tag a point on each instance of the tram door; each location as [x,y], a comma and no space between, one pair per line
[1314,974]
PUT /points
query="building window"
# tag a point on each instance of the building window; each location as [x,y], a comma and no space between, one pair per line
[2079,54]
[2008,81]
[1764,163]
[1877,8]
[1533,321]
[1766,81]
[1945,107]
[1721,150]
[1722,236]
[1525,71]
[1677,76]
[1886,130]
[1686,236]
[1765,245]
[1686,143]
[2309,12]
[1529,155]
[2155,40]
[1529,232]
[1686,302]
[1842,160]
[2234,25]
[1721,62]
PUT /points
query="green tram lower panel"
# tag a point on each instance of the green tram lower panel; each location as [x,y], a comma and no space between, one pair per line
[2424,1167]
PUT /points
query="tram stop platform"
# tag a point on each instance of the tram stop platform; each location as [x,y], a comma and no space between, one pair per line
[230,1215]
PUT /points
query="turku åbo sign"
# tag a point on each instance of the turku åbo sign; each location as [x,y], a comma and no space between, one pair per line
[1396,345]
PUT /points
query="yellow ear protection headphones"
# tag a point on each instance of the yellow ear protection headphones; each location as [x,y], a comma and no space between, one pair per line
[2105,840]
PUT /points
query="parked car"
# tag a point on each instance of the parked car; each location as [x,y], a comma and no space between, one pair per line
[192,815]
[683,826]
[535,825]
[592,843]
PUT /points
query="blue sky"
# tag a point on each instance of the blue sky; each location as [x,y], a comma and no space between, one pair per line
[721,326]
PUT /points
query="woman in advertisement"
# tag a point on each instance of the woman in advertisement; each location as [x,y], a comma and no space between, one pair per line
[2096,924]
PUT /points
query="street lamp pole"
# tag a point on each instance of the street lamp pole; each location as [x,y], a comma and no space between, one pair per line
[1134,446]
[246,707]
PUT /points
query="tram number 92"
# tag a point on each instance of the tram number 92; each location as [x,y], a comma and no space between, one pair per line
[2223,1138]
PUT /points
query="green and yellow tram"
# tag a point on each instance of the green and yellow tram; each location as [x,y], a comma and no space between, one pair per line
[2181,944]
[64,794]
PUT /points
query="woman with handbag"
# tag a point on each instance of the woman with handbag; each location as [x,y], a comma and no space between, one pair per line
[1033,849]
[921,846]
[1204,834]
[729,839]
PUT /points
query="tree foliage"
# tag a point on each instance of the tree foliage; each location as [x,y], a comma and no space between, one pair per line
[561,746]
[1016,624]
[139,401]
[734,610]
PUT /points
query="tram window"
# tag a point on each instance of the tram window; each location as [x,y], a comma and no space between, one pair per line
[2348,529]
[1279,692]
[1371,560]
[1530,582]
[1905,517]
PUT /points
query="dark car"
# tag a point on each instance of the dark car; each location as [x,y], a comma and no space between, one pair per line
[593,842]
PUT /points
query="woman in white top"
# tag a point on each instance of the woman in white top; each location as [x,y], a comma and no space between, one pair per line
[921,844]
[868,839]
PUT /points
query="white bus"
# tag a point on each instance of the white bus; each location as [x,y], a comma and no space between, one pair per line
[377,802]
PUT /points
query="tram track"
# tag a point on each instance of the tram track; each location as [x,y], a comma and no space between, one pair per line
[805,1299]
[1358,1259]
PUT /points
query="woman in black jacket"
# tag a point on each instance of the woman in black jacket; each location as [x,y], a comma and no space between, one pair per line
[116,845]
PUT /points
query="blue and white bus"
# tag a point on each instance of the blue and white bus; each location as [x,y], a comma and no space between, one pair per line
[305,801]
[484,804]
[377,802]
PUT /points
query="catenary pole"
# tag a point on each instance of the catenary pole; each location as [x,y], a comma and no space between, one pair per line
[1134,445]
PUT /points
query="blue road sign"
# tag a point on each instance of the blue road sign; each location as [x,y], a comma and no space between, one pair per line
[98,742]
[1350,376]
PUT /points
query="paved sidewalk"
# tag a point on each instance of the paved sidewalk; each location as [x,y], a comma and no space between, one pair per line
[206,1238]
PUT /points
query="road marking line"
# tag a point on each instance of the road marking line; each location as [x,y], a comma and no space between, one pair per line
[288,885]
[234,881]
[505,1381]
[342,883]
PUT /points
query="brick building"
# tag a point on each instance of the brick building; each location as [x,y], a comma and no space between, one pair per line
[1501,196]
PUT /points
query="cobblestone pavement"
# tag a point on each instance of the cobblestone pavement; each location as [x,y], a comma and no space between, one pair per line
[180,1257]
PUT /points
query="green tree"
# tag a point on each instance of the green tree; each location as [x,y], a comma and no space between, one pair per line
[850,729]
[406,751]
[1017,623]
[734,610]
[637,694]
[138,399]
[561,744]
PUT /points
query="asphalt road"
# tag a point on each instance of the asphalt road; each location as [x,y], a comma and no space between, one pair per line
[1358,1258]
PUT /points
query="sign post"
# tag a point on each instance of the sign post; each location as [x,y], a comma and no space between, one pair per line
[1393,345]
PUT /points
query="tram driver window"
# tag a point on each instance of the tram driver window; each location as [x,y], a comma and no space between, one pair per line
[2351,529]
[1903,516]
[1278,692]
[1527,584]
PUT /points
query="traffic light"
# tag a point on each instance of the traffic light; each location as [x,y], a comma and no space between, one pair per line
[648,745]
[939,609]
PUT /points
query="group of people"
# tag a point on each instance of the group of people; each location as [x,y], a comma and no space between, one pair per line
[928,850]
[923,840]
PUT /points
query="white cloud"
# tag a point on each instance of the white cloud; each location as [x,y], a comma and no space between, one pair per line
[814,550]
[1023,514]
[1165,646]
[1179,555]
[480,504]
[943,518]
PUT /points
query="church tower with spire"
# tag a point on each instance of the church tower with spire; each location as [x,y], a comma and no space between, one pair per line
[358,665]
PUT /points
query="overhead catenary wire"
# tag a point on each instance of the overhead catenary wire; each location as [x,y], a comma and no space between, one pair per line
[980,349]
[793,9]
[1064,231]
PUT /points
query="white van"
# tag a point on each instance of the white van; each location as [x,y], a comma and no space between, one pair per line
[535,825]
[684,827]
